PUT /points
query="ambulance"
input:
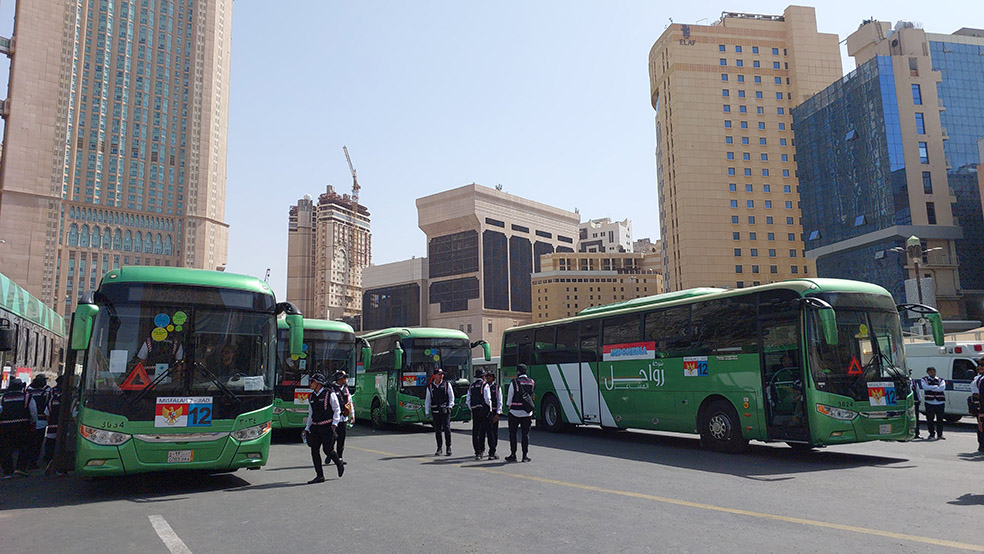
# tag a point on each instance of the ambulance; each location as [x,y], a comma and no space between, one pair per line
[956,362]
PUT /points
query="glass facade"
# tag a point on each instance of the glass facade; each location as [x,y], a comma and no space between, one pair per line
[396,306]
[453,254]
[961,92]
[521,267]
[453,295]
[495,276]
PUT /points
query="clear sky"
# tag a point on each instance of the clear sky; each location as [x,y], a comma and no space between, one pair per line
[549,98]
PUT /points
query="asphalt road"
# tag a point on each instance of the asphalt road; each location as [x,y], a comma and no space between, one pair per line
[584,491]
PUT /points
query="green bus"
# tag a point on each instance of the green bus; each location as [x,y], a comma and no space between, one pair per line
[176,370]
[810,362]
[393,386]
[328,346]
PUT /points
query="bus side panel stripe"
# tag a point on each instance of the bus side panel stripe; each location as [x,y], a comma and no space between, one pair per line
[590,388]
[571,374]
[563,393]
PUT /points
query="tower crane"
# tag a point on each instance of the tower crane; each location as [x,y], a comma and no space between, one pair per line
[266,279]
[351,242]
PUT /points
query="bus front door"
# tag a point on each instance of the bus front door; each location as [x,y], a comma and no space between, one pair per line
[783,380]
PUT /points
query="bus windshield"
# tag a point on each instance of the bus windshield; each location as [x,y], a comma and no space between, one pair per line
[147,343]
[323,352]
[869,347]
[424,355]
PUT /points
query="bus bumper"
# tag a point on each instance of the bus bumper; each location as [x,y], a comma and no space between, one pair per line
[865,427]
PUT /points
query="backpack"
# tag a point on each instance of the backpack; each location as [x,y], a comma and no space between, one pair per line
[524,397]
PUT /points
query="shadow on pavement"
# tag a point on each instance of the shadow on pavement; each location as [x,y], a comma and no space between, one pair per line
[38,492]
[969,500]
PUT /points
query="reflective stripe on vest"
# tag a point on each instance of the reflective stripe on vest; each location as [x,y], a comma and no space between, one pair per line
[477,398]
[521,384]
[933,396]
[15,408]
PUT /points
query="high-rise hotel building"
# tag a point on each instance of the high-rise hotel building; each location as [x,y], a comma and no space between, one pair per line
[115,141]
[725,156]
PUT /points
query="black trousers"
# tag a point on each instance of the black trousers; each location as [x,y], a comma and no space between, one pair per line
[917,417]
[515,424]
[441,419]
[934,412]
[340,433]
[980,432]
[480,428]
[322,437]
[493,435]
[17,437]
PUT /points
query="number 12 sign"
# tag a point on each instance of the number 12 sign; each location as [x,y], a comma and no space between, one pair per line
[183,411]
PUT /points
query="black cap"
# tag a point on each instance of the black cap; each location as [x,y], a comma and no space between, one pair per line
[521,369]
[39,381]
[340,374]
[319,378]
[479,373]
[489,373]
[16,384]
[438,371]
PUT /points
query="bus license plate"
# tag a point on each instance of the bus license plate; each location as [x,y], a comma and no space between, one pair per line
[885,429]
[180,456]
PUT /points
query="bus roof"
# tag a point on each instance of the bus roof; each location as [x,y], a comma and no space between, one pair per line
[319,325]
[185,276]
[800,286]
[16,300]
[417,332]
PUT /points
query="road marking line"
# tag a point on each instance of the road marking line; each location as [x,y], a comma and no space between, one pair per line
[171,539]
[801,521]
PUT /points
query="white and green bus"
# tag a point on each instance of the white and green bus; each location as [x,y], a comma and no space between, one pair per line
[393,387]
[329,346]
[177,370]
[810,362]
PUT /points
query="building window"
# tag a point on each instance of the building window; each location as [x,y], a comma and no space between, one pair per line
[723,61]
[748,172]
[916,95]
[920,124]
[764,157]
[792,252]
[736,235]
[751,220]
[734,219]
[752,236]
[737,269]
[749,203]
[738,49]
[741,78]
[754,252]
[734,203]
[744,125]
[727,123]
[724,76]
[755,49]
[931,213]
[731,171]
[729,140]
[789,221]
[785,173]
[762,141]
[773,269]
[749,188]
[744,140]
[727,108]
[738,252]
[720,48]
[730,155]
[775,51]
[771,236]
[923,153]
[762,125]
[768,220]
[742,109]
[927,182]
[782,142]
[755,63]
[758,79]
[783,158]
[741,94]
[791,237]
[755,269]
[746,156]
[765,173]
[794,270]
[725,92]
[739,63]
[775,65]
[732,187]
[768,204]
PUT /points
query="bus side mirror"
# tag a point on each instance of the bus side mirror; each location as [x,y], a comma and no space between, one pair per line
[295,333]
[82,321]
[828,323]
[936,322]
[398,357]
[366,356]
[485,349]
[7,336]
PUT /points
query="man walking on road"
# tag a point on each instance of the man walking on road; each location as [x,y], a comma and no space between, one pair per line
[324,415]
[935,400]
[916,399]
[493,427]
[520,401]
[437,404]
[479,401]
[345,407]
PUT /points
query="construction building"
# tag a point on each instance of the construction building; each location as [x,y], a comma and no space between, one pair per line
[725,158]
[605,235]
[329,243]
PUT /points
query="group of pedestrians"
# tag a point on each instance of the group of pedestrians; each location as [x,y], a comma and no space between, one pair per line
[930,391]
[484,399]
[329,414]
[28,425]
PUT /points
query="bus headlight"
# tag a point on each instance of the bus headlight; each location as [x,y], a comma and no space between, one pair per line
[103,437]
[277,410]
[252,433]
[836,413]
[410,405]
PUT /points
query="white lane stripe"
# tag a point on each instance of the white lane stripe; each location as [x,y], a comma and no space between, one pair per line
[171,539]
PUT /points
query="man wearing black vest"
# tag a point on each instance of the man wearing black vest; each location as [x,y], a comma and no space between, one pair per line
[520,414]
[934,398]
[38,390]
[345,406]
[18,416]
[479,401]
[496,396]
[437,404]
[324,415]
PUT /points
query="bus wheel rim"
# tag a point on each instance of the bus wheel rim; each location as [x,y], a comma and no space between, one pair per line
[720,427]
[551,414]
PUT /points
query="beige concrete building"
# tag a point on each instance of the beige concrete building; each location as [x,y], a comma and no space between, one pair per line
[392,296]
[722,93]
[568,283]
[328,245]
[115,141]
[605,235]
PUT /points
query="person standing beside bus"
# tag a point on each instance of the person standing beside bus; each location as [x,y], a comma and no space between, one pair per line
[977,396]
[52,411]
[493,429]
[437,404]
[38,391]
[934,397]
[18,415]
[345,407]
[916,399]
[324,415]
[479,401]
[519,398]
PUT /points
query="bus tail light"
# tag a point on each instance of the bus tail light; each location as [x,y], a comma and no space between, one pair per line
[836,413]
[252,433]
[103,437]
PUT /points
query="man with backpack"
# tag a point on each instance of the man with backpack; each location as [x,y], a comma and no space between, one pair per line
[521,405]
[437,404]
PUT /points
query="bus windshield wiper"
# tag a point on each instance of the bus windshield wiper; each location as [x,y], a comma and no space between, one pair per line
[153,384]
[217,382]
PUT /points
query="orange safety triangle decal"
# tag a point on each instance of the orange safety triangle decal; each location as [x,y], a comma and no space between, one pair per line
[137,379]
[855,367]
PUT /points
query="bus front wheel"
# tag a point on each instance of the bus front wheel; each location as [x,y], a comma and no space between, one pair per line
[720,428]
[376,415]
[550,415]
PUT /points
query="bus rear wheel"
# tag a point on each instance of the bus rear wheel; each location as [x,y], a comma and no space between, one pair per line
[720,428]
[376,415]
[550,416]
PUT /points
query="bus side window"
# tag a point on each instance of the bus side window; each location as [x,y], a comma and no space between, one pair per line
[588,341]
[524,348]
[509,350]
[722,326]
[623,329]
[669,328]
[566,350]
[543,345]
[382,355]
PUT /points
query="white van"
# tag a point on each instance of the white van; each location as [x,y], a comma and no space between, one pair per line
[956,362]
